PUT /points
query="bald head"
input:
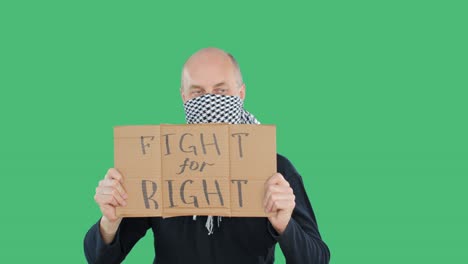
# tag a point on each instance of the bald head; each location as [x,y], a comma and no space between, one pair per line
[211,70]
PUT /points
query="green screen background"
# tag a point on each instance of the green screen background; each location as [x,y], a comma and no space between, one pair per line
[369,99]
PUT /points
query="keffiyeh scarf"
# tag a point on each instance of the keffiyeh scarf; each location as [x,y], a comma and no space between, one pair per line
[215,108]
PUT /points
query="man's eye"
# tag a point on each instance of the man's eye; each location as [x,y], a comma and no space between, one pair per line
[221,90]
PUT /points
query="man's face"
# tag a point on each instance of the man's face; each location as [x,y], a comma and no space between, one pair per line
[210,76]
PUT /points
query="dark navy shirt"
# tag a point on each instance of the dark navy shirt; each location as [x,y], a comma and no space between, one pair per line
[242,240]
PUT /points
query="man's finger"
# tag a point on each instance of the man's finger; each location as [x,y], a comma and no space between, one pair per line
[105,199]
[276,189]
[283,205]
[112,191]
[278,197]
[277,178]
[114,174]
[114,184]
[110,202]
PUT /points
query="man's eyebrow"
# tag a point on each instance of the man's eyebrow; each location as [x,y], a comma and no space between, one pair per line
[195,87]
[220,84]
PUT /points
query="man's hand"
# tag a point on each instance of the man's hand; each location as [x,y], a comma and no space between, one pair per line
[109,195]
[280,200]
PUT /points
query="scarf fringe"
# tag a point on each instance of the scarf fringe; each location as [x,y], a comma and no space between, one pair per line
[209,223]
[199,110]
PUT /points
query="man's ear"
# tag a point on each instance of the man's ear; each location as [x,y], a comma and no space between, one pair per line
[182,94]
[242,92]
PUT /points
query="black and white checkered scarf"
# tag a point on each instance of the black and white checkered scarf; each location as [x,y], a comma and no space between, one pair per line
[215,108]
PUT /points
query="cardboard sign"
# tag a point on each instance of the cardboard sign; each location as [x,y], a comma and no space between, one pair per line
[202,169]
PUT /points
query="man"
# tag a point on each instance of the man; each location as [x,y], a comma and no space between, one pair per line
[213,91]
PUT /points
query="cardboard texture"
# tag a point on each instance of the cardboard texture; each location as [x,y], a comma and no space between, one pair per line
[199,169]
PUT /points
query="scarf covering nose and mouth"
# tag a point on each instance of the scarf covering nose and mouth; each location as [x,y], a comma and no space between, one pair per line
[216,108]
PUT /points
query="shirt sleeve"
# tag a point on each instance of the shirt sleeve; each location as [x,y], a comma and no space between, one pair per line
[128,233]
[301,241]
